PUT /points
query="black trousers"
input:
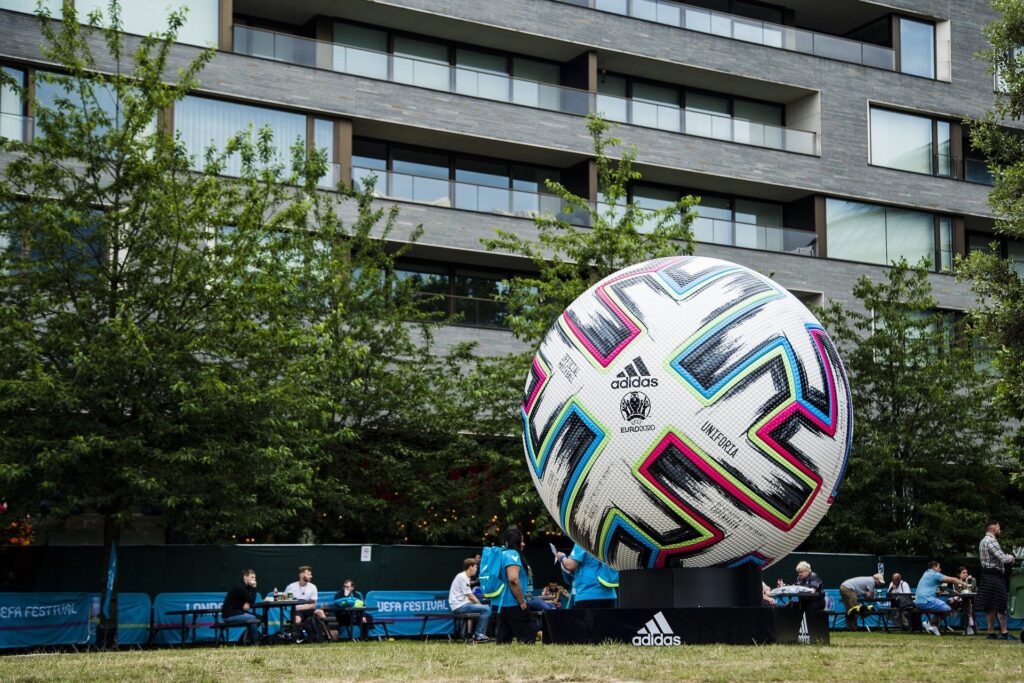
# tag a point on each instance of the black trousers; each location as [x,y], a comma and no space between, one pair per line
[515,622]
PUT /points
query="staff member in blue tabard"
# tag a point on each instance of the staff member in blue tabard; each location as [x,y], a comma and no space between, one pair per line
[594,583]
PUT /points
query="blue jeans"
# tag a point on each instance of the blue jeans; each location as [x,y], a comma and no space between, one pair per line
[253,629]
[485,614]
[536,603]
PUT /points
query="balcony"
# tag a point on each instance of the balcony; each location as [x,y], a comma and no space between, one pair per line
[520,204]
[748,30]
[976,171]
[503,88]
[706,124]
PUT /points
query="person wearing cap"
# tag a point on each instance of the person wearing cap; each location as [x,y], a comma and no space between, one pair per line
[853,590]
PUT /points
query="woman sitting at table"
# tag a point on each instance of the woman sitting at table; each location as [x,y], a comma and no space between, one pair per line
[348,598]
[964,604]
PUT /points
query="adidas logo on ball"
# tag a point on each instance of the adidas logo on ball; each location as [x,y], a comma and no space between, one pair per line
[657,633]
[634,376]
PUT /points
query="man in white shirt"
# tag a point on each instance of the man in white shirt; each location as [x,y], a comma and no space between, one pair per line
[900,600]
[304,589]
[462,601]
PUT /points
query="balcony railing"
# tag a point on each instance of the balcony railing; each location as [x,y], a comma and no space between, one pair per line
[467,196]
[748,30]
[705,124]
[976,171]
[503,88]
[750,236]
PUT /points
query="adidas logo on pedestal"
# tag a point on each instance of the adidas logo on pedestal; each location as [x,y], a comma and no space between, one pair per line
[634,376]
[657,632]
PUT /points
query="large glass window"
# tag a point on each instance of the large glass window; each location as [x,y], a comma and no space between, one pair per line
[877,234]
[481,74]
[360,50]
[611,98]
[708,116]
[203,122]
[143,18]
[468,294]
[419,175]
[901,141]
[1011,250]
[29,6]
[917,47]
[655,106]
[12,106]
[422,63]
[481,185]
[536,83]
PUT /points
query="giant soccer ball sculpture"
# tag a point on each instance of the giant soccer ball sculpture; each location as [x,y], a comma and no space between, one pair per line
[687,412]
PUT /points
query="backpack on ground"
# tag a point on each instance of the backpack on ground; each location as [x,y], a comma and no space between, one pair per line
[492,575]
[316,630]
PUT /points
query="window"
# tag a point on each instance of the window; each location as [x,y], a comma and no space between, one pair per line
[910,142]
[1006,248]
[13,124]
[481,74]
[360,50]
[444,179]
[420,62]
[469,294]
[203,123]
[201,21]
[917,48]
[878,234]
[611,98]
[29,6]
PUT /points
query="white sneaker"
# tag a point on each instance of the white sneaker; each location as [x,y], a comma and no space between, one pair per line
[931,629]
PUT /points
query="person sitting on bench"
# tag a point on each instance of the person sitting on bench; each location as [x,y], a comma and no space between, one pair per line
[461,599]
[853,590]
[237,604]
[900,600]
[927,600]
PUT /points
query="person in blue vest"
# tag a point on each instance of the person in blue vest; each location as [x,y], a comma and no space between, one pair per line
[594,584]
[513,614]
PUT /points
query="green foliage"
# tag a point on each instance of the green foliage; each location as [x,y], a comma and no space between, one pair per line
[569,259]
[1000,315]
[926,437]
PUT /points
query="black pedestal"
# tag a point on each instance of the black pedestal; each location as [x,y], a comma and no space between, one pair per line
[671,626]
[691,587]
[679,606]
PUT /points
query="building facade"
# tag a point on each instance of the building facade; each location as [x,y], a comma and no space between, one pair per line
[825,139]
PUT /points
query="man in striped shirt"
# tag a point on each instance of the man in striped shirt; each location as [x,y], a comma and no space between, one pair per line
[993,593]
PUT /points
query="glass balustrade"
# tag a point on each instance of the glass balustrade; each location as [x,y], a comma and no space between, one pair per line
[704,124]
[750,236]
[748,30]
[488,85]
[461,195]
[976,171]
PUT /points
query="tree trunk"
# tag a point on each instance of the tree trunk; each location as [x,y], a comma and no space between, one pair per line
[106,631]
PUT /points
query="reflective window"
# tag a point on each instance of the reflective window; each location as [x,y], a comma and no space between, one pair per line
[481,74]
[474,299]
[55,7]
[944,157]
[203,123]
[323,138]
[708,116]
[422,63]
[655,106]
[877,234]
[611,98]
[901,141]
[144,18]
[917,48]
[12,106]
[481,185]
[536,83]
[360,50]
[420,176]
[945,243]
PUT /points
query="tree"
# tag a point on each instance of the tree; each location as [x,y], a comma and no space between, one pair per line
[142,307]
[926,437]
[569,258]
[1000,314]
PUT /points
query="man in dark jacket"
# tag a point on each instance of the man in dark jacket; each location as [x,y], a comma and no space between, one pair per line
[239,601]
[806,577]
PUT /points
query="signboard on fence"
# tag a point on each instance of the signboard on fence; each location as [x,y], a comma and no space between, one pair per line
[402,606]
[133,614]
[168,626]
[38,619]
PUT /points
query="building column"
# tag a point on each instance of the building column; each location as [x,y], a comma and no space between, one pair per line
[226,19]
[820,220]
[324,36]
[581,72]
[343,149]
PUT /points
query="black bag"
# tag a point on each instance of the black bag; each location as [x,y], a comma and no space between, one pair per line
[285,636]
[316,630]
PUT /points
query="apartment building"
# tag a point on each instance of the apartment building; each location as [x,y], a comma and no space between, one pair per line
[825,138]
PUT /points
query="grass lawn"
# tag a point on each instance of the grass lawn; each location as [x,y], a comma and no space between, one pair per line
[850,657]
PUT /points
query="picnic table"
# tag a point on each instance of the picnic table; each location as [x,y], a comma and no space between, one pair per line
[281,606]
[351,617]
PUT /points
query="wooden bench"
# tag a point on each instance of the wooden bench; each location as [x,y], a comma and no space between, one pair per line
[335,624]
